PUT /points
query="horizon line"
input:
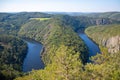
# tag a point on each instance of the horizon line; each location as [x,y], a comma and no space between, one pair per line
[59,11]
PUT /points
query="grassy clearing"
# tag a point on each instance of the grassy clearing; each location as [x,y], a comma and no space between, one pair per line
[41,19]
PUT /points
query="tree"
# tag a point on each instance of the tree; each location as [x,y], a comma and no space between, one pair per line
[65,65]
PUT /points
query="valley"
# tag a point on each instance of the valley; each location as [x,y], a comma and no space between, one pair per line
[92,47]
[55,49]
[33,59]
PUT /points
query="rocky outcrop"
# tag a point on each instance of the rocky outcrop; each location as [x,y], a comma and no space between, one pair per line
[103,21]
[113,44]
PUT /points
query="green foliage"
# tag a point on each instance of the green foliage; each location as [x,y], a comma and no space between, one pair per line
[64,52]
[66,65]
[106,67]
[100,34]
[35,29]
[79,23]
[111,15]
[10,23]
[12,53]
[106,31]
[54,32]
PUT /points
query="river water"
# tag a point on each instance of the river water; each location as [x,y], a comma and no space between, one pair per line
[93,48]
[33,59]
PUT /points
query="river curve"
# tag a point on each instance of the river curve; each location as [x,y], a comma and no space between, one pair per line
[33,59]
[92,47]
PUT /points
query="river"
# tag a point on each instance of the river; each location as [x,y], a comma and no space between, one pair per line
[93,48]
[33,59]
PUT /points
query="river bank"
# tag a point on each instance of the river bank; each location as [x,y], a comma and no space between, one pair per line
[33,59]
[92,47]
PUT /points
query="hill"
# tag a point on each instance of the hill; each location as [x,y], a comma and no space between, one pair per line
[64,54]
[106,36]
[65,64]
[10,23]
[62,51]
[53,33]
[110,15]
[12,53]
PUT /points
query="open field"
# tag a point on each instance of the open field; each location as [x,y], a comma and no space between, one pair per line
[41,19]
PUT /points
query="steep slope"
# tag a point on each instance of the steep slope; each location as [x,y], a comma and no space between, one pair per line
[105,65]
[82,22]
[66,66]
[107,36]
[53,33]
[10,23]
[12,53]
[64,52]
[111,15]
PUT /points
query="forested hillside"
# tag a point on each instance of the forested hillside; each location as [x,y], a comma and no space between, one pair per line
[110,15]
[106,36]
[64,53]
[106,65]
[10,23]
[12,53]
[66,66]
[81,22]
[53,33]
[12,48]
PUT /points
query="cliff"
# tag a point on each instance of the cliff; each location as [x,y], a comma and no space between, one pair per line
[107,36]
[112,44]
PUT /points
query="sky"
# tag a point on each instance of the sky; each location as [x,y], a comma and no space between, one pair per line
[59,5]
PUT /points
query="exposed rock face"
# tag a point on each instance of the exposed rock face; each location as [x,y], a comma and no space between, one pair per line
[102,21]
[113,44]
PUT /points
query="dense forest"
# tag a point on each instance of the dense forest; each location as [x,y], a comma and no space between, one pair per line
[111,15]
[53,33]
[12,53]
[103,66]
[10,23]
[65,54]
